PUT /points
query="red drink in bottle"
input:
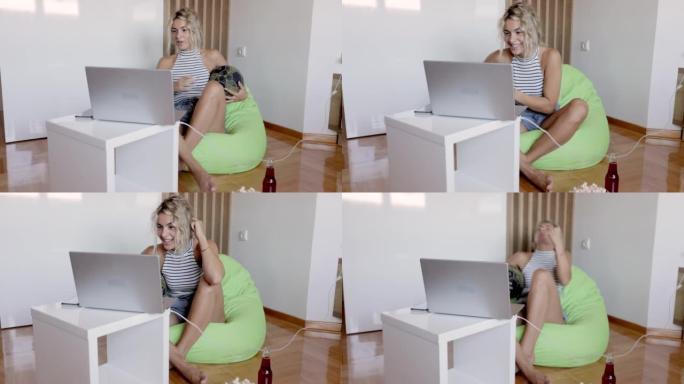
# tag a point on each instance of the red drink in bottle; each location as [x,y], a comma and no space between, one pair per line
[269,183]
[265,373]
[612,178]
[609,372]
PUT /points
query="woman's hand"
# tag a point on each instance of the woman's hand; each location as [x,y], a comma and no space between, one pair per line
[182,84]
[557,239]
[240,95]
[198,229]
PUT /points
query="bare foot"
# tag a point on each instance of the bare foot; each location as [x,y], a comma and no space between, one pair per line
[535,376]
[541,180]
[183,167]
[190,372]
[205,182]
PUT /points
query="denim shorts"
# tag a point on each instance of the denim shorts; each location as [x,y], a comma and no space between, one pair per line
[187,105]
[535,116]
[182,305]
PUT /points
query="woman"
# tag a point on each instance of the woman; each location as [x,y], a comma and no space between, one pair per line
[192,273]
[546,271]
[537,79]
[204,101]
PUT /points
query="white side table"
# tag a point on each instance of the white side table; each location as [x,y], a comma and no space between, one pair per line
[448,154]
[423,347]
[86,155]
[65,344]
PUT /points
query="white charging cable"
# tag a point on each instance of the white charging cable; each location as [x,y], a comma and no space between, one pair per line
[188,321]
[191,127]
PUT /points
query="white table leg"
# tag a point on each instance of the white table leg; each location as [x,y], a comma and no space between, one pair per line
[411,359]
[55,365]
[416,164]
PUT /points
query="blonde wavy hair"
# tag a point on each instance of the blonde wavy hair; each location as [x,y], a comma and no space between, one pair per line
[179,209]
[193,23]
[529,23]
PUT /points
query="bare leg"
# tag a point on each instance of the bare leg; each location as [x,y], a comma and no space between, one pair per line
[562,125]
[543,306]
[207,306]
[208,117]
[531,373]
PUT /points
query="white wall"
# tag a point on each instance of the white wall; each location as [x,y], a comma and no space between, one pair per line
[46,45]
[668,256]
[668,57]
[621,228]
[386,41]
[291,249]
[620,62]
[326,250]
[277,35]
[324,55]
[38,230]
[385,235]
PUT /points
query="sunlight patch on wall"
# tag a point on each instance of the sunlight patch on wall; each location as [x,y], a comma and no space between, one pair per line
[410,200]
[61,7]
[408,5]
[363,198]
[18,5]
[360,3]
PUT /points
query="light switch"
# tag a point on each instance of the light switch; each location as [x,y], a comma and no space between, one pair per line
[585,46]
[586,244]
[243,235]
[242,51]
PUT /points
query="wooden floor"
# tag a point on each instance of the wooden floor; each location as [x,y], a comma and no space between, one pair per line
[324,358]
[360,165]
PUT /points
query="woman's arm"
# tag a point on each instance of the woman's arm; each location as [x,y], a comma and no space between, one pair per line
[563,257]
[211,265]
[551,92]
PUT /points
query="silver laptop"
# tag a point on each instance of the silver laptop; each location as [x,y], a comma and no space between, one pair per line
[131,95]
[468,288]
[473,90]
[118,281]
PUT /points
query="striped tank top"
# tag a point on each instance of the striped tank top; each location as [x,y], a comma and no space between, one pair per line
[181,273]
[189,63]
[527,75]
[539,260]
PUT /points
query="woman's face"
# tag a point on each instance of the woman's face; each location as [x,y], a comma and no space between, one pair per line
[180,33]
[543,235]
[514,37]
[167,231]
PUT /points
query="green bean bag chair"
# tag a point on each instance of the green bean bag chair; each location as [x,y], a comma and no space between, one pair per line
[584,337]
[589,144]
[243,145]
[243,333]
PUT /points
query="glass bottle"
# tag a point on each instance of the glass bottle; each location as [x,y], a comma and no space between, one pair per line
[609,372]
[265,374]
[269,183]
[612,178]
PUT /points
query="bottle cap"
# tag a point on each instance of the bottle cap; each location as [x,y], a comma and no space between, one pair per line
[269,163]
[612,157]
[266,352]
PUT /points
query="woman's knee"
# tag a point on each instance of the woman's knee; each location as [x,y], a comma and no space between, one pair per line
[542,278]
[578,110]
[204,288]
[213,89]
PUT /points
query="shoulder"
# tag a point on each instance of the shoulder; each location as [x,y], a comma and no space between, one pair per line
[519,259]
[550,56]
[213,57]
[149,250]
[499,56]
[166,62]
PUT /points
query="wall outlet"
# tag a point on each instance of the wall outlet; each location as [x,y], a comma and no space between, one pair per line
[586,244]
[585,46]
[243,235]
[242,51]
